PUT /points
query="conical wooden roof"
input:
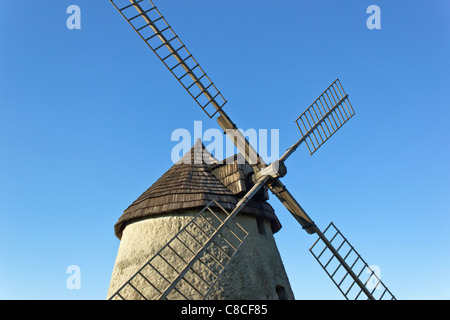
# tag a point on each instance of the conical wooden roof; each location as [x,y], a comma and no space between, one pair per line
[190,184]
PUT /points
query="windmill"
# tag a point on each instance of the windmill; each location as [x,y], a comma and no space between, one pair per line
[323,118]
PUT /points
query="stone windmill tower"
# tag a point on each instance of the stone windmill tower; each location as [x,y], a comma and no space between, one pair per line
[256,270]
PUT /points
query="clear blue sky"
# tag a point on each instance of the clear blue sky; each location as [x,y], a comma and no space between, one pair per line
[86,118]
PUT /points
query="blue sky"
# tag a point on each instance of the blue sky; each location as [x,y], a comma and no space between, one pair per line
[86,118]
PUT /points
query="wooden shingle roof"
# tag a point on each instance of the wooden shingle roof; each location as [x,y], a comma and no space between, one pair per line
[190,184]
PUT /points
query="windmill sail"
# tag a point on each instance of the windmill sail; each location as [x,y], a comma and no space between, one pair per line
[326,115]
[190,264]
[348,268]
[331,110]
[151,26]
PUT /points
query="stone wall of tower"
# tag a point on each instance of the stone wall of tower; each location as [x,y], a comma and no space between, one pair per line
[256,271]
